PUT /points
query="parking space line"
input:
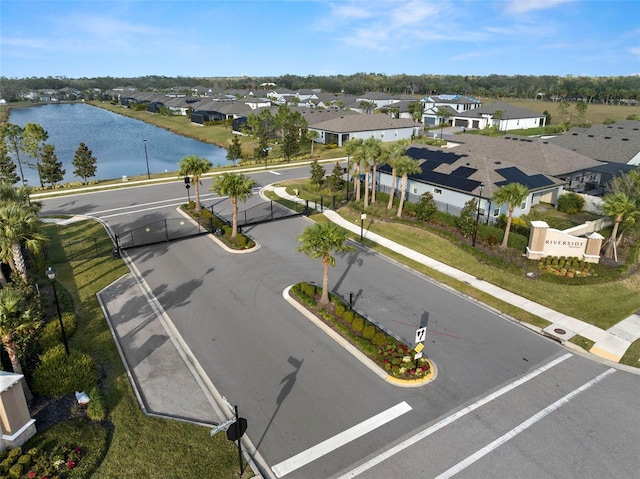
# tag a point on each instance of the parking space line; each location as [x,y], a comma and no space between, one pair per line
[448,420]
[476,456]
[339,440]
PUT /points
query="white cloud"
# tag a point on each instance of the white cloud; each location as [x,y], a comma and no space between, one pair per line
[520,7]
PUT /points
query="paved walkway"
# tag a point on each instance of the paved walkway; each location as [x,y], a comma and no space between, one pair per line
[610,344]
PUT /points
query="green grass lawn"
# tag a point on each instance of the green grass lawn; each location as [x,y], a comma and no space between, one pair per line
[138,446]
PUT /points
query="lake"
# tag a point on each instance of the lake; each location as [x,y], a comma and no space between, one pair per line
[115,140]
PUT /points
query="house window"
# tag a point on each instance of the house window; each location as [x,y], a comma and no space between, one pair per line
[414,190]
[437,191]
[381,135]
[496,212]
[523,205]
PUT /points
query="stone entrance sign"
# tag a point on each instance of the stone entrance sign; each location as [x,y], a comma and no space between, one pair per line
[545,241]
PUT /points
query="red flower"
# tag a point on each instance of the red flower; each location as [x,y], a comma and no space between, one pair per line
[32,474]
[76,449]
[71,464]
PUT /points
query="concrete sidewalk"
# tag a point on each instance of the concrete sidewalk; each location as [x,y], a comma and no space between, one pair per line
[610,344]
[163,378]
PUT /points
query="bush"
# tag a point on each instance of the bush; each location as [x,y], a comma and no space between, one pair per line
[369,331]
[347,317]
[379,339]
[16,471]
[340,309]
[358,324]
[96,409]
[51,334]
[571,203]
[426,207]
[59,374]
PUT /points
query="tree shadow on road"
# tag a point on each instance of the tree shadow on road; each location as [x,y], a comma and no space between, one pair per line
[289,381]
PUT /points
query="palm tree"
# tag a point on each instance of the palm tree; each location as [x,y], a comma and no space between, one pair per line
[320,241]
[19,225]
[617,205]
[312,135]
[353,148]
[196,167]
[236,187]
[396,151]
[512,195]
[372,150]
[405,166]
[16,318]
[444,114]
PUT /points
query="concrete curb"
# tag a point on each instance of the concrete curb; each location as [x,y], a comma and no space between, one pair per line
[377,370]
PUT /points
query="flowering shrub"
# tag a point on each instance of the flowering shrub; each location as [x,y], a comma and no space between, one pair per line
[398,361]
[54,463]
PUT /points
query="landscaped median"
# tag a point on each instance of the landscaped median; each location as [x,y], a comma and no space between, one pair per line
[385,355]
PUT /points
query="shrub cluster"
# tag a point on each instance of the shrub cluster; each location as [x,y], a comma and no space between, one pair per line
[371,340]
[567,267]
[51,335]
[39,463]
[571,203]
[59,374]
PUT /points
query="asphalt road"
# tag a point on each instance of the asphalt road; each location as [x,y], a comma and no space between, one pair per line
[316,412]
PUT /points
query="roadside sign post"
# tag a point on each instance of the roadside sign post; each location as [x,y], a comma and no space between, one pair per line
[234,433]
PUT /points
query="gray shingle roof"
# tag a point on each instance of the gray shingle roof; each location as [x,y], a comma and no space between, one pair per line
[510,111]
[617,143]
[349,123]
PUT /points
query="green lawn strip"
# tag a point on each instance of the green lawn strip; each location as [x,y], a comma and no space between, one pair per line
[602,304]
[632,356]
[583,342]
[459,286]
[140,446]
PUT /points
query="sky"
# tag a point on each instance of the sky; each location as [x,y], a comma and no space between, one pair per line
[215,38]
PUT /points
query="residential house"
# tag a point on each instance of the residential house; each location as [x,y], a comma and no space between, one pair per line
[347,127]
[476,166]
[454,104]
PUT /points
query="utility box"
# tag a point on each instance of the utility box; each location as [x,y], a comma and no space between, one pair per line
[15,421]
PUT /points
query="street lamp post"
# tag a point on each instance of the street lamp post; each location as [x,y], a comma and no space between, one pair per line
[51,274]
[363,217]
[475,230]
[146,156]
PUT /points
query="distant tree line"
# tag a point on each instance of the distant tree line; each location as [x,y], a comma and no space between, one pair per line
[620,89]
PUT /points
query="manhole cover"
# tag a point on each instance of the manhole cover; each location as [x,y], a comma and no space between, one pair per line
[559,331]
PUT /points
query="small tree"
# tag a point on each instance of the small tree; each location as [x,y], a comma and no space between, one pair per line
[317,173]
[33,138]
[512,195]
[8,174]
[444,114]
[312,135]
[50,169]
[426,207]
[84,163]
[335,180]
[467,219]
[234,152]
[319,242]
[581,109]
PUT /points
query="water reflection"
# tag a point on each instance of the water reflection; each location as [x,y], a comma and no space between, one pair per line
[116,141]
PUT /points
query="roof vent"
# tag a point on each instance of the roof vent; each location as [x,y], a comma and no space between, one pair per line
[590,136]
[625,139]
[574,134]
[607,137]
[498,162]
[609,126]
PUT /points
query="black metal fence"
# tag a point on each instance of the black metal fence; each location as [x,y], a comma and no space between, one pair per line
[160,232]
[265,212]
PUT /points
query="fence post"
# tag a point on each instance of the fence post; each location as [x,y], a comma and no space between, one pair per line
[271,206]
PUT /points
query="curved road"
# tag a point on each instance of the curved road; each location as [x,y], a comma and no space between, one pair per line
[506,402]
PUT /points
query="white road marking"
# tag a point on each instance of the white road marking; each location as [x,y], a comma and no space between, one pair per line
[521,427]
[448,420]
[275,173]
[339,440]
[180,201]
